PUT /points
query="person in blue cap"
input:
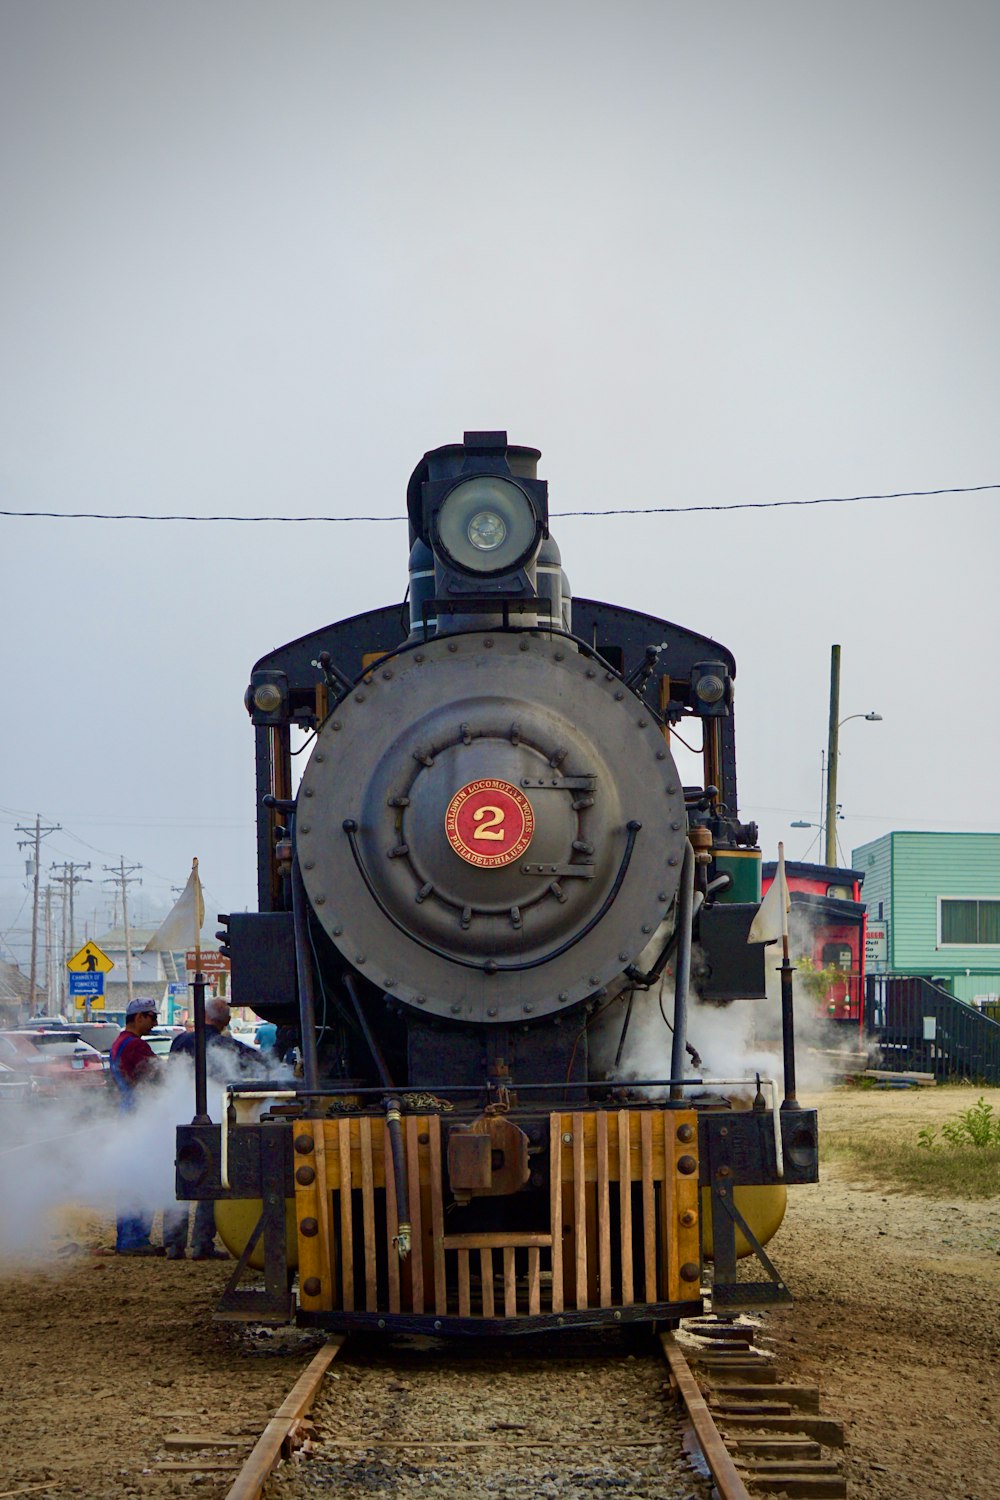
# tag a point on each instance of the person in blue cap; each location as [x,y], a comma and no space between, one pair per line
[134,1068]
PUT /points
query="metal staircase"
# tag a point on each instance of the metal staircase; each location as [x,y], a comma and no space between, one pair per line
[923,1029]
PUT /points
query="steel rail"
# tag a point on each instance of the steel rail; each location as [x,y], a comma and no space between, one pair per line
[266,1453]
[717,1455]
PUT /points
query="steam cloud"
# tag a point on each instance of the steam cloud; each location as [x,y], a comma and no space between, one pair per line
[733,1041]
[89,1153]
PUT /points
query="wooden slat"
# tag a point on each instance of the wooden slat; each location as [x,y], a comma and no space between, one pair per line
[625,1206]
[509,1284]
[464,1293]
[486,1273]
[569,1234]
[648,1204]
[534,1281]
[580,1211]
[437,1214]
[686,1196]
[590,1193]
[327,1239]
[346,1212]
[603,1212]
[669,1247]
[307,1207]
[555,1209]
[589,1119]
[498,1240]
[368,1211]
[416,1218]
[391,1225]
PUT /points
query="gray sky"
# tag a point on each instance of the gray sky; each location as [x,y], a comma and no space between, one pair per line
[257,258]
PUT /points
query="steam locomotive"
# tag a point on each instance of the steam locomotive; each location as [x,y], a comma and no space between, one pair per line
[489,872]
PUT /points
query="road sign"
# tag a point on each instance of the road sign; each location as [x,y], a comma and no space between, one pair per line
[86,984]
[177,999]
[209,962]
[90,960]
[92,1002]
[876,942]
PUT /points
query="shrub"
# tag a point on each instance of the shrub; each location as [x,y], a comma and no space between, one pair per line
[975,1126]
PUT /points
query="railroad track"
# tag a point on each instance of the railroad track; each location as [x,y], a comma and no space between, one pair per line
[753,1429]
[584,1416]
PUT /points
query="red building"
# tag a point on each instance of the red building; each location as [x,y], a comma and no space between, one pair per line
[827,922]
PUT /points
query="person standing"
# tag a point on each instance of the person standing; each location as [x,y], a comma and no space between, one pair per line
[134,1068]
[226,1058]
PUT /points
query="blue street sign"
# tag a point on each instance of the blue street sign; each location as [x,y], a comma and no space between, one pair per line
[86,984]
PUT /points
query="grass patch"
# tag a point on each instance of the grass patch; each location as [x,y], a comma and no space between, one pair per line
[947,1171]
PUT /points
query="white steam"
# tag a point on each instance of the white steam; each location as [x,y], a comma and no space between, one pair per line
[62,1152]
[738,1040]
[90,1153]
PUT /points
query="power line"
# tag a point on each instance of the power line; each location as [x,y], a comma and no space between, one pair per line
[645,510]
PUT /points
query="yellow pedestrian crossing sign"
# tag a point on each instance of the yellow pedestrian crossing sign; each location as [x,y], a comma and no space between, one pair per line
[90,960]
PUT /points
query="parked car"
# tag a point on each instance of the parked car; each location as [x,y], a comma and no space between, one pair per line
[99,1034]
[55,1059]
[160,1039]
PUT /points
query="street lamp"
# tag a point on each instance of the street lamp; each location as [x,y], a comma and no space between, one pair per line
[833,751]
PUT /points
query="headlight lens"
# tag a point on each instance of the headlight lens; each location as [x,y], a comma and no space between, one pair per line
[487,525]
[486,530]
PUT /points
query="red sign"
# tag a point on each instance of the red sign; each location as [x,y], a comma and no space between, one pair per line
[209,962]
[489,823]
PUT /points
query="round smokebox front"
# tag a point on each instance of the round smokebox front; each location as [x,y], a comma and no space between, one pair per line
[490,827]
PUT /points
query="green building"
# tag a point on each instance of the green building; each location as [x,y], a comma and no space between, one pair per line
[933,904]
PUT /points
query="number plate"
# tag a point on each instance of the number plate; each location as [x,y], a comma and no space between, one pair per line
[489,823]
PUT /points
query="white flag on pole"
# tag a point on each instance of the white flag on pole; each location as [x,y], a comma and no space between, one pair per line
[181,928]
[771,921]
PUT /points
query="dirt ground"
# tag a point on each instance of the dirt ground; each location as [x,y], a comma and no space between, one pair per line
[897,1312]
[897,1318]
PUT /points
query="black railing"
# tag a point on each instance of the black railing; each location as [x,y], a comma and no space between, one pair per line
[922,1029]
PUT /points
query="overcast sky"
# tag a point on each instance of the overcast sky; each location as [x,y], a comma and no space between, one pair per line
[257,258]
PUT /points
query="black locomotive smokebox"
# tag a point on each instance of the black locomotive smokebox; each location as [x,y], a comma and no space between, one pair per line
[491,826]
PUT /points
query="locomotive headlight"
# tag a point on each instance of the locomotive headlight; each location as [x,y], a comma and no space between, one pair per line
[487,525]
[486,531]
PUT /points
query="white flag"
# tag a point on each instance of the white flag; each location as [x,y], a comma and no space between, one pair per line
[771,921]
[181,929]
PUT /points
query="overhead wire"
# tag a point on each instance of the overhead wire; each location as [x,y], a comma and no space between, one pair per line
[643,510]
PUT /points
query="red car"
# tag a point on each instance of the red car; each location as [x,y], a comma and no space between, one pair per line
[55,1060]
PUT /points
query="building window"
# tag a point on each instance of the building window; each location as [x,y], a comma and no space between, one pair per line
[881,913]
[969,921]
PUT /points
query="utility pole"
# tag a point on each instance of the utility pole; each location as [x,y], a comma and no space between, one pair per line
[68,878]
[50,972]
[38,833]
[832,752]
[122,878]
